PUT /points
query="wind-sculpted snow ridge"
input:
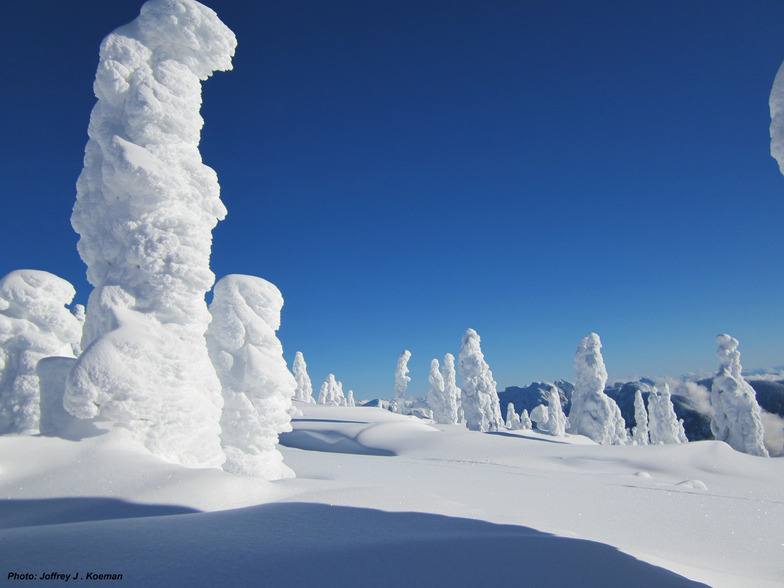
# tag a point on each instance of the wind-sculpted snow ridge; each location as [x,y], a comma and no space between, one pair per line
[257,385]
[145,209]
[34,324]
[593,413]
[737,419]
[776,103]
[479,395]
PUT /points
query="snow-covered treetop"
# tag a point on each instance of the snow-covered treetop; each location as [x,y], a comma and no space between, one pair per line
[777,118]
[589,368]
[40,297]
[729,356]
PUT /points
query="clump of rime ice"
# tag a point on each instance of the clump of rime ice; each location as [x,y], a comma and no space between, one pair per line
[550,419]
[512,418]
[640,434]
[331,392]
[776,103]
[663,424]
[145,209]
[34,324]
[401,382]
[304,391]
[593,413]
[479,397]
[257,385]
[737,419]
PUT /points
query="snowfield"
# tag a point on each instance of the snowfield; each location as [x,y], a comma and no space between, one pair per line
[391,500]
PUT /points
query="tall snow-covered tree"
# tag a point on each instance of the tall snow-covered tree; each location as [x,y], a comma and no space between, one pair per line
[350,399]
[34,324]
[525,421]
[145,209]
[640,434]
[435,397]
[401,382]
[593,413]
[452,394]
[663,424]
[304,391]
[479,395]
[257,385]
[737,418]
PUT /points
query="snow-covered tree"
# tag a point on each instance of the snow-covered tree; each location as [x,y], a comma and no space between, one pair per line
[304,391]
[479,396]
[525,421]
[663,423]
[550,419]
[737,416]
[350,399]
[640,431]
[451,392]
[145,209]
[331,392]
[777,118]
[435,397]
[593,413]
[257,385]
[401,382]
[512,418]
[34,324]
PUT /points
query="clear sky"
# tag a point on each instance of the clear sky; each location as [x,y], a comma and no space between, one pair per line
[406,169]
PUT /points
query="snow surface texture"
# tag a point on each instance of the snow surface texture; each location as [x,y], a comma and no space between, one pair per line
[663,425]
[777,118]
[401,382]
[304,391]
[34,324]
[468,504]
[737,417]
[479,396]
[145,209]
[593,413]
[257,385]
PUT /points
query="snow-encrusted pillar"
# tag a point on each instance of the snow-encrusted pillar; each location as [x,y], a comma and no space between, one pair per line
[304,391]
[479,395]
[145,209]
[257,385]
[401,382]
[737,418]
[593,413]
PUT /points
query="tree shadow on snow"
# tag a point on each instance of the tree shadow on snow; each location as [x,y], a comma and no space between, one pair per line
[292,544]
[53,511]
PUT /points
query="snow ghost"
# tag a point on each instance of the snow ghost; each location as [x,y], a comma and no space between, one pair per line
[640,432]
[550,419]
[443,396]
[257,385]
[331,392]
[401,382]
[737,419]
[512,418]
[593,413]
[304,391]
[525,421]
[663,425]
[145,209]
[34,324]
[451,391]
[479,396]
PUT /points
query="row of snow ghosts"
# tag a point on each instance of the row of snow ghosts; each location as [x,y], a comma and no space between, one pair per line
[331,392]
[736,413]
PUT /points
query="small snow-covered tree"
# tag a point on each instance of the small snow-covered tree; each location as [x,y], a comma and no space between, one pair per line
[331,392]
[145,209]
[34,324]
[350,399]
[640,432]
[304,391]
[435,397]
[257,385]
[550,419]
[525,421]
[593,413]
[663,423]
[401,382]
[737,416]
[479,396]
[451,392]
[512,418]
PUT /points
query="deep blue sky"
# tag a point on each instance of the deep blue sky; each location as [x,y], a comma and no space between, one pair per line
[405,169]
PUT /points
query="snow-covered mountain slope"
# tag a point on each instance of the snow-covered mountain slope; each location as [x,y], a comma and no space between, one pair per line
[391,500]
